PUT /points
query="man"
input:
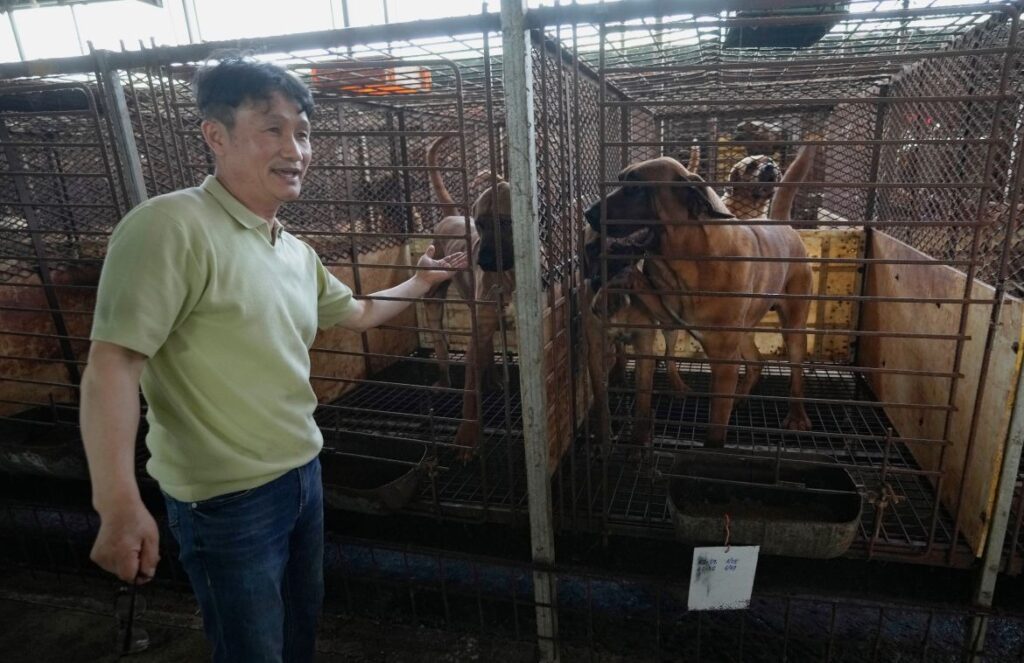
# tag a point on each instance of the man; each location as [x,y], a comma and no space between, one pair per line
[207,301]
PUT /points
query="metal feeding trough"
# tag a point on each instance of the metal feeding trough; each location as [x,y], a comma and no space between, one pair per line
[370,474]
[43,441]
[789,507]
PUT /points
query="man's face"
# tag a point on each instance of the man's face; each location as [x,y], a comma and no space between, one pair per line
[263,157]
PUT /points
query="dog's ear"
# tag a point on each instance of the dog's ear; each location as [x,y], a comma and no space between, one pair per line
[696,199]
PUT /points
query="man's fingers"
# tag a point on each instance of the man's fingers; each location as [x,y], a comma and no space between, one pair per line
[150,556]
[456,259]
[127,566]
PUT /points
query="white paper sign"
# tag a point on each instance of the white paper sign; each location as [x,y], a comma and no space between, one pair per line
[721,580]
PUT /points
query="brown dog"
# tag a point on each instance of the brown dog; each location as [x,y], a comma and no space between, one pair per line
[740,201]
[490,231]
[663,195]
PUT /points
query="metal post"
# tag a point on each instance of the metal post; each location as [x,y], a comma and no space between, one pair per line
[78,31]
[996,539]
[518,70]
[124,137]
[344,14]
[17,35]
[190,21]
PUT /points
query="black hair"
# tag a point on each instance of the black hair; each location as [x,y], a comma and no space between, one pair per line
[221,88]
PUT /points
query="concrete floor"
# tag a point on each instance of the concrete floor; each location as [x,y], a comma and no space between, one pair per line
[72,621]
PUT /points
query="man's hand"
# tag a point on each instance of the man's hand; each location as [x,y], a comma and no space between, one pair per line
[439,270]
[128,543]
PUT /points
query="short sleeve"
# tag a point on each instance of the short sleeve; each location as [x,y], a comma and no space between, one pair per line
[334,299]
[151,280]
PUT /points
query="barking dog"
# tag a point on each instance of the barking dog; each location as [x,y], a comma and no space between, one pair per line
[662,195]
[490,233]
[752,202]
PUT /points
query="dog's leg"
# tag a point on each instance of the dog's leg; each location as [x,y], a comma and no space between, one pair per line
[599,348]
[752,356]
[793,315]
[671,366]
[724,378]
[644,344]
[617,372]
[479,358]
[435,320]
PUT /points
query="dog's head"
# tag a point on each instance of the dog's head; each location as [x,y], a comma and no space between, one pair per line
[760,169]
[492,214]
[652,191]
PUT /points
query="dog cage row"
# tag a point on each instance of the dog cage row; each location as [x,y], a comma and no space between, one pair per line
[907,215]
[443,597]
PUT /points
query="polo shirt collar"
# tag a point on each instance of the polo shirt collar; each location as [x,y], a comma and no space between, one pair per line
[231,205]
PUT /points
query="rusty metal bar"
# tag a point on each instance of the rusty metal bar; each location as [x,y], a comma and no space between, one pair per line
[638,9]
[796,64]
[813,101]
[996,128]
[838,142]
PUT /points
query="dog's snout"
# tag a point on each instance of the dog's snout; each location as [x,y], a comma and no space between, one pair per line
[593,215]
[770,173]
[488,259]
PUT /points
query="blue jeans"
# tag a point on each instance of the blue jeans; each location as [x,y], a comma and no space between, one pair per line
[255,561]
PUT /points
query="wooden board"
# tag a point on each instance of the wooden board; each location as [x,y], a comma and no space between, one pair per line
[328,367]
[979,472]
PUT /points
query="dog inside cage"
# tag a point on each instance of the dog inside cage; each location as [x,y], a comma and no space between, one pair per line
[780,278]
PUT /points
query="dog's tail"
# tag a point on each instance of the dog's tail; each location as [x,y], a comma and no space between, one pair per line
[448,206]
[782,202]
[693,165]
[484,180]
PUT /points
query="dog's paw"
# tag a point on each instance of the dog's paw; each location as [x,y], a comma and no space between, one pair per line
[494,379]
[466,439]
[798,421]
[641,435]
[679,387]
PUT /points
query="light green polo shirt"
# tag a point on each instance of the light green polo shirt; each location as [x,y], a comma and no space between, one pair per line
[226,317]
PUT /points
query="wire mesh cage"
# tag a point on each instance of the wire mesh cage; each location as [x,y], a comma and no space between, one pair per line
[905,214]
[911,120]
[896,134]
[397,434]
[61,195]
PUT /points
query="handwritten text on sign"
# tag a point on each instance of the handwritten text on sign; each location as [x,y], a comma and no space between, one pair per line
[722,578]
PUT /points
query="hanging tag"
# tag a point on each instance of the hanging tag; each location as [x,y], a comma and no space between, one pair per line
[722,578]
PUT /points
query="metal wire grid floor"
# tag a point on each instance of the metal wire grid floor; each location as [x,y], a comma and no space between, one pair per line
[494,478]
[621,494]
[852,434]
